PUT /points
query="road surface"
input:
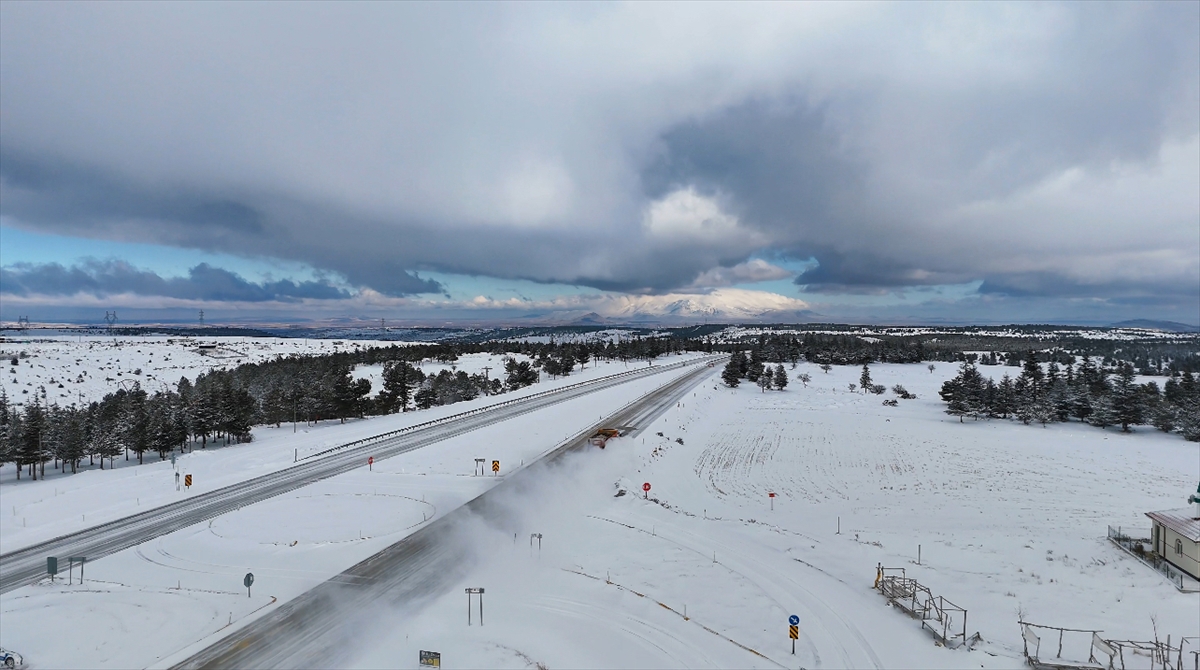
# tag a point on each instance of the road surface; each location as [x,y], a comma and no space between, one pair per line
[28,565]
[315,629]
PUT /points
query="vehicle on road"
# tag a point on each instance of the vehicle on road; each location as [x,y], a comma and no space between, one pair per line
[11,659]
[601,437]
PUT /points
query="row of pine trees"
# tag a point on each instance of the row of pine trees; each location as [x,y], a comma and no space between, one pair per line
[1097,394]
[224,405]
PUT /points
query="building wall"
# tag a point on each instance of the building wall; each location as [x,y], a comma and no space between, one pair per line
[1189,560]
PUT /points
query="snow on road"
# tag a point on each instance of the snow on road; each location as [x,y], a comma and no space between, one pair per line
[1008,518]
[31,512]
[291,543]
[702,573]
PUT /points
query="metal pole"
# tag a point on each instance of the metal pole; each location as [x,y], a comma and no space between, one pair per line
[480,609]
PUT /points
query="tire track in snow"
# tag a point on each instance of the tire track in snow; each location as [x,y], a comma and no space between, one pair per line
[767,580]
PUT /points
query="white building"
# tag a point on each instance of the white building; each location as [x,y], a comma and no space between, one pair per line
[1176,535]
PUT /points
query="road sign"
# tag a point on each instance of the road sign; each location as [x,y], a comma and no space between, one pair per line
[248,581]
[495,466]
[794,632]
[52,566]
[793,620]
[646,490]
[371,463]
[187,481]
[431,659]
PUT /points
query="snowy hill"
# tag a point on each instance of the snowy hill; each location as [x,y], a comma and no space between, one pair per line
[721,305]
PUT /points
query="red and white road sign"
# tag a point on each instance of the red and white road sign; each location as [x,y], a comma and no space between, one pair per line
[646,486]
[371,461]
[771,495]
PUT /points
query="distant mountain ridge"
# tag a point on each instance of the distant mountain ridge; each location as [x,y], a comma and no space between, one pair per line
[1168,326]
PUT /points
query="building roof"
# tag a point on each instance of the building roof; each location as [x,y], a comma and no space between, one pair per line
[1180,521]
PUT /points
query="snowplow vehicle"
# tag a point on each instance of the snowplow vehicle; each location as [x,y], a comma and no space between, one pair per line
[602,436]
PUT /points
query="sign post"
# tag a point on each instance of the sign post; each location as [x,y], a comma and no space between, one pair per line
[479,466]
[794,630]
[187,482]
[248,581]
[495,468]
[52,567]
[772,497]
[646,490]
[475,592]
[370,463]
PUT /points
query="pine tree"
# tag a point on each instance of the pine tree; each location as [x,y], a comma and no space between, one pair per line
[1127,401]
[1103,415]
[426,397]
[731,375]
[781,379]
[864,380]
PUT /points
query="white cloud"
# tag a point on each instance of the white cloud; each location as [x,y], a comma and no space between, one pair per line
[753,270]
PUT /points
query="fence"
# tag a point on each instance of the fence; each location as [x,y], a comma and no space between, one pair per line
[945,620]
[1142,549]
[1104,653]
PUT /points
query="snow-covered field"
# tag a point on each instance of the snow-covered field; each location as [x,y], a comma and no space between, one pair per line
[1008,518]
[78,369]
[64,502]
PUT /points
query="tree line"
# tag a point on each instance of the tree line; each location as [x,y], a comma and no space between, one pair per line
[225,404]
[1102,395]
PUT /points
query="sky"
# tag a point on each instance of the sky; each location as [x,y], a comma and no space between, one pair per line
[511,162]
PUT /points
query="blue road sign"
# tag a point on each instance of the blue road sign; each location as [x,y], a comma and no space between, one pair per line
[793,620]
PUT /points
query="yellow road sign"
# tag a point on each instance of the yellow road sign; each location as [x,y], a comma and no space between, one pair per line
[794,632]
[495,466]
[187,480]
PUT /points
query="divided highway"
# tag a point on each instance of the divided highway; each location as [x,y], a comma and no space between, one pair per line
[26,566]
[315,629]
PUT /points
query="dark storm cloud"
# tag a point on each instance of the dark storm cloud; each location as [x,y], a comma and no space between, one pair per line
[54,190]
[204,282]
[900,145]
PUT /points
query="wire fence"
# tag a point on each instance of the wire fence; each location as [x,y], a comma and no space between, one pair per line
[1142,548]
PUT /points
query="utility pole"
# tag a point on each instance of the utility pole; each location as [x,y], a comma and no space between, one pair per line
[201,317]
[110,318]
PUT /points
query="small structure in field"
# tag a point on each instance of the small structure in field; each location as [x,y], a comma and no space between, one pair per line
[1175,535]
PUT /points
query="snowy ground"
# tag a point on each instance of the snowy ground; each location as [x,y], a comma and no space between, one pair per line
[83,368]
[1008,518]
[148,603]
[31,512]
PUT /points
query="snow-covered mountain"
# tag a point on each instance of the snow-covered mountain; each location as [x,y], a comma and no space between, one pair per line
[726,304]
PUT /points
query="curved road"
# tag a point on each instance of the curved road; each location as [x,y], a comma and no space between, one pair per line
[315,629]
[28,565]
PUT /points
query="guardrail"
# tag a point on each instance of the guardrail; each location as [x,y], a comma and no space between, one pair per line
[506,403]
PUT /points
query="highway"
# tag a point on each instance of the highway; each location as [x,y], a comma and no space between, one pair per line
[314,629]
[28,565]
